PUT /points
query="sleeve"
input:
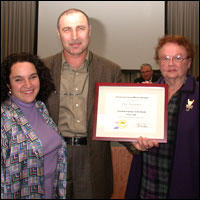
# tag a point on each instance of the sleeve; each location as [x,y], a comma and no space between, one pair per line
[61,173]
[118,75]
[130,148]
[48,62]
[4,150]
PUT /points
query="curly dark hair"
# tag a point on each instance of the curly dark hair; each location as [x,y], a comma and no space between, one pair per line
[46,82]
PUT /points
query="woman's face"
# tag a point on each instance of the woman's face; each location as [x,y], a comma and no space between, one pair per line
[24,81]
[173,60]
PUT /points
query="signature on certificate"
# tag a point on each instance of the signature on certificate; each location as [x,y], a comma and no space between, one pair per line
[142,125]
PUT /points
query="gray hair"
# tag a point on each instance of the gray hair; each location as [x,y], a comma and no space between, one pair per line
[145,64]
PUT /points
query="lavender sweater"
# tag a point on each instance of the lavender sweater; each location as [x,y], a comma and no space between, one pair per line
[51,142]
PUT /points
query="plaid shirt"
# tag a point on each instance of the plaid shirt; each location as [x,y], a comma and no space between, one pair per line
[22,156]
[157,161]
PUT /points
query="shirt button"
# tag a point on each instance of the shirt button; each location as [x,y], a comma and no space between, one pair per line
[78,121]
[77,105]
[76,89]
[76,73]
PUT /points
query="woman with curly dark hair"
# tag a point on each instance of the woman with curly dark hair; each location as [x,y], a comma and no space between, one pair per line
[33,153]
[46,82]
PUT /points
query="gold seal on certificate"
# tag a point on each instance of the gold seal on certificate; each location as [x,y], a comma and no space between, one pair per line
[125,111]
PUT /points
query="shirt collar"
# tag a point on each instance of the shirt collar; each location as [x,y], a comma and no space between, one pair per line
[67,66]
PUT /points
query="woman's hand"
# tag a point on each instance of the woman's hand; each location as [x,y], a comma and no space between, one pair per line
[144,144]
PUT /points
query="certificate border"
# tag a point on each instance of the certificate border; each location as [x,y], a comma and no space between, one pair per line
[165,86]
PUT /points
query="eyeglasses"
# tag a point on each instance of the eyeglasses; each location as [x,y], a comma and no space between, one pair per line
[177,59]
[145,72]
[74,94]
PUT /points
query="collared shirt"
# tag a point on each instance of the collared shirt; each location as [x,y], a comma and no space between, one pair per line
[73,99]
[157,162]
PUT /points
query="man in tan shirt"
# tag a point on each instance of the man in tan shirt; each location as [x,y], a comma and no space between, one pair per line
[76,70]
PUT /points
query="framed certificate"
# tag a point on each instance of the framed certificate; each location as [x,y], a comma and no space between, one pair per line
[126,111]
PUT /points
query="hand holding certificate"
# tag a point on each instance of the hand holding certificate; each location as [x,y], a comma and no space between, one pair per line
[144,144]
[124,112]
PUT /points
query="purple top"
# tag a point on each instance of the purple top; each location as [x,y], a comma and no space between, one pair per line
[50,139]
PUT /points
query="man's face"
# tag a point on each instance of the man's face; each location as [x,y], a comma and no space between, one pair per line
[146,73]
[74,33]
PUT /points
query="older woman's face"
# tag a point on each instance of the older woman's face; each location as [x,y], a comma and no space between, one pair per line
[24,81]
[173,61]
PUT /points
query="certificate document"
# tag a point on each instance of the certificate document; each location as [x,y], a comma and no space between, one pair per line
[124,112]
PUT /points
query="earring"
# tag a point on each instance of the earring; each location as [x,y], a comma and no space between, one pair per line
[10,92]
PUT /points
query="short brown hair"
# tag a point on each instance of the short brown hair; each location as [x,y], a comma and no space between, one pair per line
[69,11]
[180,40]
